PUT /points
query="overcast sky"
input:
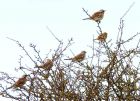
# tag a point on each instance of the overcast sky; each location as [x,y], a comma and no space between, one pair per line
[26,21]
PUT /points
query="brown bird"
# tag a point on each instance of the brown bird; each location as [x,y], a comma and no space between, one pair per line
[79,57]
[97,16]
[102,37]
[21,81]
[47,64]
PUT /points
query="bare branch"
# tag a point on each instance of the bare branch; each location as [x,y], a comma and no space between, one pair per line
[53,34]
[20,45]
[86,12]
[128,10]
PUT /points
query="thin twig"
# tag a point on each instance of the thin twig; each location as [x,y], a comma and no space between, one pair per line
[86,12]
[38,57]
[57,53]
[120,32]
[100,29]
[119,37]
[53,34]
[23,49]
[128,10]
[129,39]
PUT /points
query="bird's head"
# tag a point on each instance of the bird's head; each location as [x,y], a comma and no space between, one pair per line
[105,33]
[24,76]
[84,52]
[102,10]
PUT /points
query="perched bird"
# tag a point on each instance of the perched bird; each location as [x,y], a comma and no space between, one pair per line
[79,57]
[102,37]
[97,16]
[21,81]
[47,64]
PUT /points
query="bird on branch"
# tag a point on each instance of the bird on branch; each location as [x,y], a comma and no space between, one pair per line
[19,83]
[47,64]
[96,16]
[79,57]
[102,37]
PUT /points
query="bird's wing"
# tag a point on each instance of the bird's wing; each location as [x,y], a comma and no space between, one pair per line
[79,56]
[97,14]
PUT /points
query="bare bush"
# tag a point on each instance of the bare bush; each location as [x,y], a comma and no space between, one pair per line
[107,74]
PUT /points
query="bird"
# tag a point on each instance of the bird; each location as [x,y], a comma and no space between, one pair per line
[20,82]
[96,16]
[79,57]
[102,37]
[47,64]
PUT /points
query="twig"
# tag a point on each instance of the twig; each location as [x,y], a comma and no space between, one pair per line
[23,49]
[99,27]
[86,12]
[57,53]
[129,39]
[119,37]
[53,34]
[128,10]
[38,57]
[93,49]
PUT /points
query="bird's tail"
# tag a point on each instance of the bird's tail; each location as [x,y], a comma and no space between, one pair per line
[68,59]
[86,18]
[96,39]
[39,66]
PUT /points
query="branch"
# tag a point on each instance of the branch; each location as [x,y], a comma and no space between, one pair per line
[99,28]
[53,34]
[23,49]
[128,10]
[38,57]
[86,12]
[129,38]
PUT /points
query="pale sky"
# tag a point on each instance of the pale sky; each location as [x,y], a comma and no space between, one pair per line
[26,21]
